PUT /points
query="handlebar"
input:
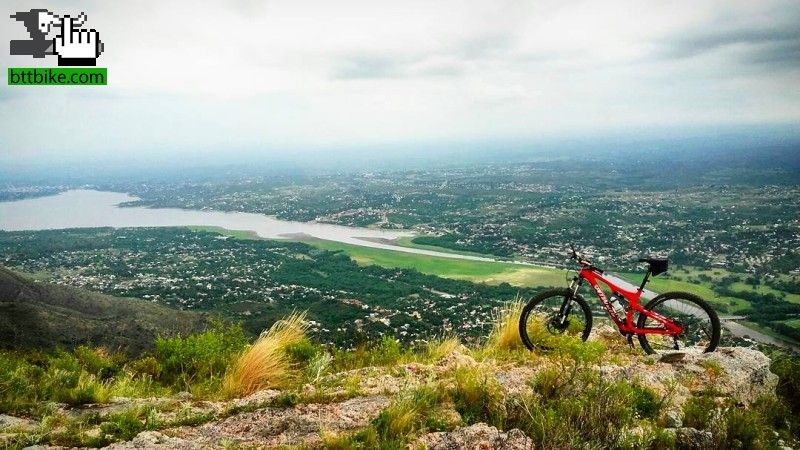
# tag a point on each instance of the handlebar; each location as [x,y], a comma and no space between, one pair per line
[581,260]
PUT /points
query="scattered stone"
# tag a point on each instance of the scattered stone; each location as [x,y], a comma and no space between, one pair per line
[16,423]
[474,437]
[272,427]
[454,360]
[260,398]
[154,440]
[673,418]
[516,381]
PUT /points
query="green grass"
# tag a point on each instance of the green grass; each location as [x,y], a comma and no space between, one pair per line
[763,289]
[477,271]
[408,241]
[795,323]
[236,234]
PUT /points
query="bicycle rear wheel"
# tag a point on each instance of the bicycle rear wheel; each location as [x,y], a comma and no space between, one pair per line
[541,324]
[701,329]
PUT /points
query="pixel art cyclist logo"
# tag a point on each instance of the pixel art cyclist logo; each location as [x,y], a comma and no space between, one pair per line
[63,36]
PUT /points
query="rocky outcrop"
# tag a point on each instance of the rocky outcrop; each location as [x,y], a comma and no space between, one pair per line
[738,372]
[347,402]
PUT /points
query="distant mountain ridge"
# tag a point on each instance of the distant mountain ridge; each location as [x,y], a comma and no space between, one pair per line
[37,315]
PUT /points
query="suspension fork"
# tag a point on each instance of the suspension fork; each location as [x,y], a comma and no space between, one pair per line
[566,306]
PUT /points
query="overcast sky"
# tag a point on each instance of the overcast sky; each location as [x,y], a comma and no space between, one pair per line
[216,78]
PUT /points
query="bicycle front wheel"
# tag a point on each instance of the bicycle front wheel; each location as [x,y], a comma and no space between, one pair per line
[701,329]
[542,323]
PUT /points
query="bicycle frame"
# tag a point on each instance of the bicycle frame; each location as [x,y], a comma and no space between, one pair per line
[626,325]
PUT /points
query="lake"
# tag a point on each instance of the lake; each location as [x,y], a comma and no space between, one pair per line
[83,208]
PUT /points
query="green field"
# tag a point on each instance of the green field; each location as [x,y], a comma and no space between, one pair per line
[409,242]
[477,271]
[238,234]
[763,289]
[795,323]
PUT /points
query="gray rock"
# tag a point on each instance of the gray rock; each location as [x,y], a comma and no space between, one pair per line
[742,373]
[674,418]
[7,421]
[692,438]
[154,440]
[474,437]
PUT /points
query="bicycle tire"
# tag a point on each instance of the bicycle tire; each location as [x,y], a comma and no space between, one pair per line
[702,304]
[539,298]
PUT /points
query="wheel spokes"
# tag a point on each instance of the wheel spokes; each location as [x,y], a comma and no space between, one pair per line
[697,326]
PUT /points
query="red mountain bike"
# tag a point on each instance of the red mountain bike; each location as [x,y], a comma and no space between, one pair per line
[669,322]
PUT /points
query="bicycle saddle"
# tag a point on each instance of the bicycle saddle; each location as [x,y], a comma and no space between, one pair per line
[657,265]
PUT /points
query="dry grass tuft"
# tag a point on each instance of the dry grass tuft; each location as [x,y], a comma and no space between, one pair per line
[440,347]
[505,331]
[265,364]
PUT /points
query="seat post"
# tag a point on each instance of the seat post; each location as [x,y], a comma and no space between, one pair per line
[646,277]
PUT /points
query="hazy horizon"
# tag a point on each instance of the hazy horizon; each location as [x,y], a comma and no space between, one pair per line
[303,79]
[299,81]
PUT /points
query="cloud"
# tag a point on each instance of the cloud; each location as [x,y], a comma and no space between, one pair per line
[260,75]
[369,66]
[372,66]
[765,46]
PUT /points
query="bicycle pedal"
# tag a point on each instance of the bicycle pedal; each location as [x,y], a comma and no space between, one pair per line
[630,339]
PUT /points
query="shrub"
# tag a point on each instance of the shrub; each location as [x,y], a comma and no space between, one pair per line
[478,397]
[127,424]
[745,429]
[646,403]
[407,415]
[699,410]
[576,410]
[303,352]
[266,363]
[200,359]
[87,389]
[147,366]
[787,368]
[18,383]
[99,362]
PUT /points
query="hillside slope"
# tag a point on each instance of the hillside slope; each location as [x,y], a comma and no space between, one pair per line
[43,316]
[462,399]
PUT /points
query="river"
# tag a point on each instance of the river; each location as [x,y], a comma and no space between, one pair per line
[82,208]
